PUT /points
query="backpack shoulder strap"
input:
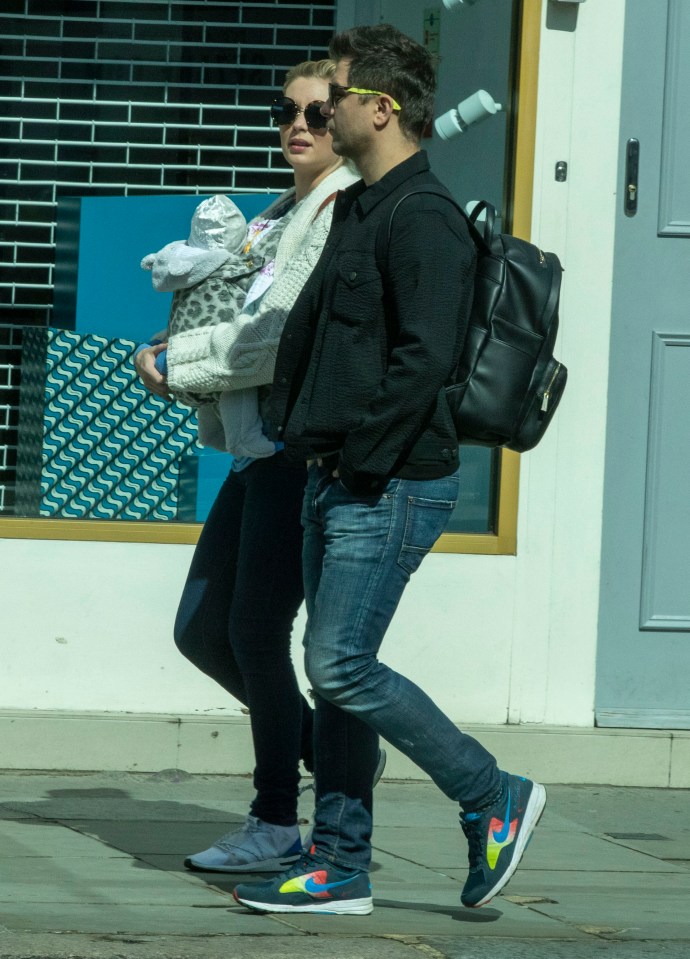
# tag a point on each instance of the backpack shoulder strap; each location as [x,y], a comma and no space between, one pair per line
[482,244]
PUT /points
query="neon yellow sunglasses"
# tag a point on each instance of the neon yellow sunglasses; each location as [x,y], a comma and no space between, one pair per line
[336,93]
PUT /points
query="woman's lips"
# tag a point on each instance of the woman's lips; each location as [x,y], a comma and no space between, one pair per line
[297,146]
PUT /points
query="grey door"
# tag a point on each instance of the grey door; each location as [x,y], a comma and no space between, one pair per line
[643,671]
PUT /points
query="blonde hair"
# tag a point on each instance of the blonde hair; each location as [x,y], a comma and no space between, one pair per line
[311,70]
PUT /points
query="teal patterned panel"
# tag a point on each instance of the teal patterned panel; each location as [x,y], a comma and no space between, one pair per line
[111,450]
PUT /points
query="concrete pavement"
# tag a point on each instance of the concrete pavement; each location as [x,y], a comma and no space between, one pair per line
[91,865]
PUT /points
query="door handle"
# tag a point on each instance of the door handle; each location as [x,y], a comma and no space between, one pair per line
[632,169]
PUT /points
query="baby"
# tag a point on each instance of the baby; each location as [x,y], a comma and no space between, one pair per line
[213,275]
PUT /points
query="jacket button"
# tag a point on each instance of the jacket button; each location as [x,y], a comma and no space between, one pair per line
[353,275]
[283,380]
[447,453]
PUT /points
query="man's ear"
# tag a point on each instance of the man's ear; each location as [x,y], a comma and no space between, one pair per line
[383,113]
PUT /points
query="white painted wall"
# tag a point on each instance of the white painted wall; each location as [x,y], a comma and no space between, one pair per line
[562,480]
[87,626]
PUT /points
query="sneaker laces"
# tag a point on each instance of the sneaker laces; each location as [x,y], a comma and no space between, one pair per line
[470,823]
[231,840]
[305,863]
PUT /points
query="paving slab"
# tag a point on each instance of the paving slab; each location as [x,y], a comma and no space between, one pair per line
[125,808]
[91,865]
[604,809]
[445,850]
[443,948]
[414,900]
[36,839]
[630,906]
[155,836]
[278,946]
[134,920]
[95,880]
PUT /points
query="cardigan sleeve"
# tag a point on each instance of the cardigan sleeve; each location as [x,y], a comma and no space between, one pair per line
[242,353]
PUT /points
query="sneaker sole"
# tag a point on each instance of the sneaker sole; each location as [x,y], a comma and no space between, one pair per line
[533,813]
[346,907]
[261,865]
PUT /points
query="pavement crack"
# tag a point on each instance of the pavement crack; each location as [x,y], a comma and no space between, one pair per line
[414,942]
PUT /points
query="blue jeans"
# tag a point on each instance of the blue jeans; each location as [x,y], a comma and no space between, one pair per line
[235,618]
[359,554]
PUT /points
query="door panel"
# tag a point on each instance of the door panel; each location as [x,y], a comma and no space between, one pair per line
[674,209]
[665,602]
[644,628]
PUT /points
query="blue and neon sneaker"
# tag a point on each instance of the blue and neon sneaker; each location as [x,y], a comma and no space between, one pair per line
[311,885]
[498,837]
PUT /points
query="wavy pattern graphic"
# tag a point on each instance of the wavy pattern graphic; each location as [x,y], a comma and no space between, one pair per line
[111,450]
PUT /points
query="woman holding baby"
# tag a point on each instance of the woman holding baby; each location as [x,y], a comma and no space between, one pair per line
[244,586]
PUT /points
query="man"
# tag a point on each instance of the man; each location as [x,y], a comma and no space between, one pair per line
[359,392]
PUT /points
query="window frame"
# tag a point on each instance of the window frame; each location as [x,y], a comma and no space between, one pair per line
[503,539]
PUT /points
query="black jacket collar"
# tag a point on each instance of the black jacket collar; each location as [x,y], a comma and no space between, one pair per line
[369,197]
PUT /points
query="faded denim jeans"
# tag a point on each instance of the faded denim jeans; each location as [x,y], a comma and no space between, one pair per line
[359,554]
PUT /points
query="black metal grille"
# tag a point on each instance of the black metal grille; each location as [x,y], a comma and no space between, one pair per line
[120,97]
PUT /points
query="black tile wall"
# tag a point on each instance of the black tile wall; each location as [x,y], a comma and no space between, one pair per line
[121,97]
[101,93]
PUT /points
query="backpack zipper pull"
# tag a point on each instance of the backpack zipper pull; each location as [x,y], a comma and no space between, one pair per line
[546,396]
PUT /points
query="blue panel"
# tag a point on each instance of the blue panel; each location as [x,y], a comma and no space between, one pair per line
[111,450]
[114,296]
[202,473]
[213,467]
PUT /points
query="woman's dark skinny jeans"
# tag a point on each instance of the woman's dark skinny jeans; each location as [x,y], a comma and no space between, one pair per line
[235,619]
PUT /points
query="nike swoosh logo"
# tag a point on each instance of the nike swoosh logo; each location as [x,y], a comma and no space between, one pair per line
[502,834]
[311,886]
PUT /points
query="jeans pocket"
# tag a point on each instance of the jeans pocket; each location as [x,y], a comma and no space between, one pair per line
[425,520]
[322,485]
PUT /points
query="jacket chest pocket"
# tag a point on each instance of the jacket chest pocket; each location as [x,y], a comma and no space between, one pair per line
[357,295]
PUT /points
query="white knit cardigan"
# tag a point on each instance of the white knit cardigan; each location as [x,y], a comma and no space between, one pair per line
[242,353]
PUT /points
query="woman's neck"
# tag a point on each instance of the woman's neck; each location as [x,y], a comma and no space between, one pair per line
[305,180]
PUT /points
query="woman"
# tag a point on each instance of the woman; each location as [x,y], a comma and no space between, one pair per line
[244,586]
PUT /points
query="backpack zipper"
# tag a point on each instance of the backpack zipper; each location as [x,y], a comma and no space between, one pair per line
[546,396]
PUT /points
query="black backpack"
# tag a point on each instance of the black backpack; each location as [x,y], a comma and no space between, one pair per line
[507,384]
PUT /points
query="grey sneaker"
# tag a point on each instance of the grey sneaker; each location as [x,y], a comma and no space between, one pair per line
[256,846]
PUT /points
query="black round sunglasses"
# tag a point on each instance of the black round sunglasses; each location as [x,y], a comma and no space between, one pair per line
[284,111]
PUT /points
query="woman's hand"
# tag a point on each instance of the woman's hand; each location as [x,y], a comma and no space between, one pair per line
[144,363]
